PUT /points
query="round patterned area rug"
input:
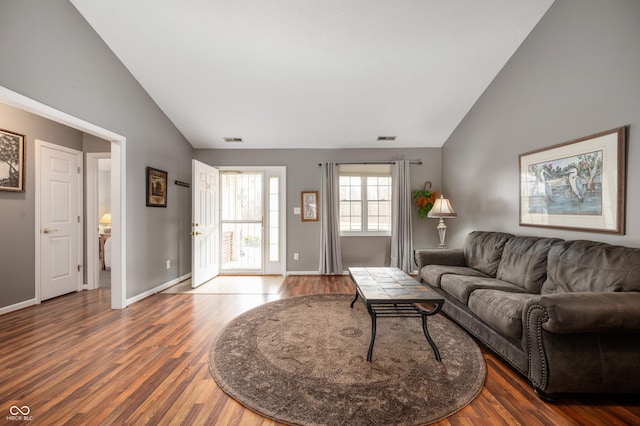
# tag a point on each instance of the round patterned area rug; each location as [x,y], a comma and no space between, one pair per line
[302,360]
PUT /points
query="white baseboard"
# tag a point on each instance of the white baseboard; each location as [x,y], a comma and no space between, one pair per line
[17,306]
[158,289]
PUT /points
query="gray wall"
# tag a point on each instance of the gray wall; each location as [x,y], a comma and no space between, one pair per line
[578,73]
[17,209]
[303,174]
[56,58]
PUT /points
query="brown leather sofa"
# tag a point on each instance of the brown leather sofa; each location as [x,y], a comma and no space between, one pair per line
[565,314]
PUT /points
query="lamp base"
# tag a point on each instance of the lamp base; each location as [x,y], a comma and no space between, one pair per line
[442,230]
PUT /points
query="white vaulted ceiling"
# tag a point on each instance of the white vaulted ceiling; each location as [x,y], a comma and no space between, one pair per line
[314,74]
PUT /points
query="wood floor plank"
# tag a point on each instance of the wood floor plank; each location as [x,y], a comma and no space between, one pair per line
[73,360]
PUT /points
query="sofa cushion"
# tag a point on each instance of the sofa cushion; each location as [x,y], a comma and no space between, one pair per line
[482,250]
[432,274]
[460,286]
[524,262]
[589,266]
[502,310]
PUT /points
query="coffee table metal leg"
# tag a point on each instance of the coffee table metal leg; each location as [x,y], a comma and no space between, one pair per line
[354,299]
[429,339]
[373,332]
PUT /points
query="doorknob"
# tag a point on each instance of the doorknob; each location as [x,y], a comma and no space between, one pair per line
[195,233]
[48,231]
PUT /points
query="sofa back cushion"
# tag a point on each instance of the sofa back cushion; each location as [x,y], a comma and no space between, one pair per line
[589,266]
[524,262]
[482,250]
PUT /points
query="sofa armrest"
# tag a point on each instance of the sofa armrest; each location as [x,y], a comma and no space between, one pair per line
[591,312]
[584,342]
[446,257]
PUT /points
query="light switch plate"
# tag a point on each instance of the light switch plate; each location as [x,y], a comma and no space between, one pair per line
[296,210]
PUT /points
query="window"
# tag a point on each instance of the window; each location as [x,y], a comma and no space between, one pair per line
[365,199]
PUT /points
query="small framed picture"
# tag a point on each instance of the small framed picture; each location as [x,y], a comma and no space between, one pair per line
[156,188]
[11,161]
[309,201]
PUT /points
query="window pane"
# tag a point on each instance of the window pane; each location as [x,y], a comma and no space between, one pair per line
[344,192]
[355,193]
[384,192]
[372,192]
[274,219]
[384,208]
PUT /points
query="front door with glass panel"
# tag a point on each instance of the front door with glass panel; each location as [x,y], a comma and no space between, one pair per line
[242,216]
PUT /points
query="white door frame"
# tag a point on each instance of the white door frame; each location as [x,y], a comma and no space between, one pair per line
[92,220]
[118,179]
[78,154]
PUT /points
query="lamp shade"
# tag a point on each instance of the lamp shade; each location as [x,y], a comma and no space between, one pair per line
[105,219]
[442,208]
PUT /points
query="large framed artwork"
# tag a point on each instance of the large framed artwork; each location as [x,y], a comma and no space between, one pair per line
[156,188]
[577,185]
[12,161]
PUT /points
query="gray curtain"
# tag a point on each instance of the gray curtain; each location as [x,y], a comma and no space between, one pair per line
[401,229]
[330,252]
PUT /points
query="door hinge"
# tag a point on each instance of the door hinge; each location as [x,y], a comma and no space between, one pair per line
[79,267]
[78,219]
[78,169]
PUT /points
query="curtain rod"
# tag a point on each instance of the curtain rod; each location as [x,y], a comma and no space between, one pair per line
[376,162]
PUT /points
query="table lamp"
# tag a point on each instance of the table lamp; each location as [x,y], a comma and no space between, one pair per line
[105,220]
[441,209]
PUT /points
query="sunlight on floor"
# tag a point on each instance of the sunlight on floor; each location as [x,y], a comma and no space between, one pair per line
[233,284]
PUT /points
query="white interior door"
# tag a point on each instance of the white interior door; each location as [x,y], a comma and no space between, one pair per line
[205,223]
[60,225]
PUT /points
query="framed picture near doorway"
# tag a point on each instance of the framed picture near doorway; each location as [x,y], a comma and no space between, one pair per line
[156,187]
[11,161]
[309,206]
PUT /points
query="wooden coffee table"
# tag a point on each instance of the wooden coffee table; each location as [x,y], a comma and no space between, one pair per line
[391,293]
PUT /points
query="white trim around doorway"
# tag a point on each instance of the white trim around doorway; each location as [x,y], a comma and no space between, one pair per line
[118,179]
[92,219]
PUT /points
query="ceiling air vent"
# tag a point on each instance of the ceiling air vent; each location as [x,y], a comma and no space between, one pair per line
[386,138]
[232,139]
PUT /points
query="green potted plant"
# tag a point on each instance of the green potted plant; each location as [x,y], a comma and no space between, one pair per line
[424,199]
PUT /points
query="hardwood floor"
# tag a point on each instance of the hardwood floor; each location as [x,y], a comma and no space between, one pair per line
[72,360]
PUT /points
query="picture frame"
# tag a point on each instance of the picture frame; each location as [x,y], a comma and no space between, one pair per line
[156,187]
[577,185]
[309,203]
[12,161]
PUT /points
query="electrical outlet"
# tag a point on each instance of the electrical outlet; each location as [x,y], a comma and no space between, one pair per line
[168,264]
[296,256]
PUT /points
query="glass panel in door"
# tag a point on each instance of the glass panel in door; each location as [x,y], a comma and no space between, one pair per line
[241,216]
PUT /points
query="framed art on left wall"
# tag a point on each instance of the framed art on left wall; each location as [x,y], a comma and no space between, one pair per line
[12,161]
[156,187]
